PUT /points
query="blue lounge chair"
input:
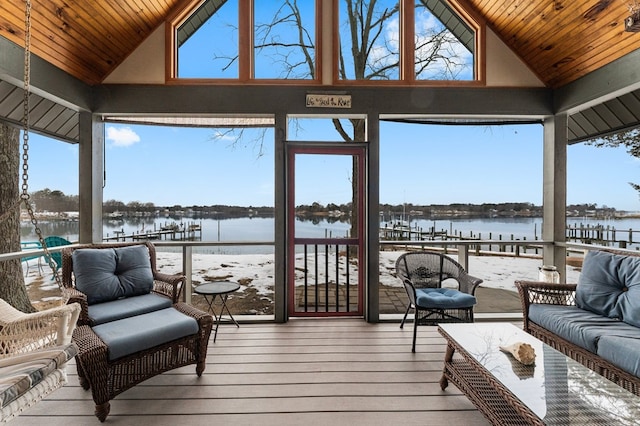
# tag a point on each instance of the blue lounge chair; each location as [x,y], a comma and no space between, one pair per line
[55,241]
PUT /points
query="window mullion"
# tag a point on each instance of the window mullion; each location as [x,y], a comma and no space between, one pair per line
[407,37]
[245,40]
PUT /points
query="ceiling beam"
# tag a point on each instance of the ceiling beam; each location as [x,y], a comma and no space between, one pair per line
[615,79]
[243,99]
[46,80]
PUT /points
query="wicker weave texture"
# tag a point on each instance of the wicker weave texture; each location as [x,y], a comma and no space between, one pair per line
[25,332]
[163,284]
[564,294]
[52,382]
[108,378]
[429,269]
[22,333]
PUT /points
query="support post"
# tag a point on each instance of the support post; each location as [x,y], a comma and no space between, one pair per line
[91,177]
[187,270]
[280,254]
[372,217]
[554,198]
[463,256]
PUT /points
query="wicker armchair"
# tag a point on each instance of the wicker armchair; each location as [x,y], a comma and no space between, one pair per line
[422,274]
[34,350]
[116,354]
[163,284]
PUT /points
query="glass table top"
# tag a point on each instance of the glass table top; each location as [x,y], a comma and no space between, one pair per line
[557,389]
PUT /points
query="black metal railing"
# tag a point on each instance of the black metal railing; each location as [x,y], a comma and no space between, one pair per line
[326,276]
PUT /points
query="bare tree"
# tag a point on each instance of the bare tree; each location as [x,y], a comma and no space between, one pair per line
[372,51]
[13,289]
[630,139]
[369,50]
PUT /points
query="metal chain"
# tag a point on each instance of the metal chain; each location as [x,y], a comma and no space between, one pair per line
[25,102]
[24,197]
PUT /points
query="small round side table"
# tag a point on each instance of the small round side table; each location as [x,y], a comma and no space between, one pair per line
[210,291]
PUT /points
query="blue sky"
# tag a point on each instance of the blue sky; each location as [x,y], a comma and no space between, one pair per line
[419,164]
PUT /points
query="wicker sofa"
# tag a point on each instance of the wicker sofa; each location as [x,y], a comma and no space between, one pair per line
[132,326]
[596,321]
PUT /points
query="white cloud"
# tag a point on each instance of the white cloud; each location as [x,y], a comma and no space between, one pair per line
[122,136]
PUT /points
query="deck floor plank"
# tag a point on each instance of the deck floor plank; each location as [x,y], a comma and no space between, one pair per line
[311,372]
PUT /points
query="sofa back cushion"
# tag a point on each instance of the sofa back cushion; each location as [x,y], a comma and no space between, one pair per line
[609,285]
[108,274]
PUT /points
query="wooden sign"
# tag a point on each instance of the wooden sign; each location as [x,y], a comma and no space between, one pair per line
[328,101]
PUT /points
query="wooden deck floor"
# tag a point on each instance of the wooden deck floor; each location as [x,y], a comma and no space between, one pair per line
[306,372]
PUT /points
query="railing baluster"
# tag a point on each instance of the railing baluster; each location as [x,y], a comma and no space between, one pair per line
[347,282]
[316,267]
[337,278]
[326,277]
[306,279]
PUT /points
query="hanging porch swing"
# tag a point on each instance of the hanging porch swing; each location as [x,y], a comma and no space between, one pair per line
[34,347]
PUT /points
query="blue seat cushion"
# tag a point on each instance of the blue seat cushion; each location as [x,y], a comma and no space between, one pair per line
[114,310]
[578,326]
[135,334]
[622,350]
[443,298]
[20,373]
[107,274]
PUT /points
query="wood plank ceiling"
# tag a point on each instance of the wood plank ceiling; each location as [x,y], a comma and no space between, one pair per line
[560,40]
[87,39]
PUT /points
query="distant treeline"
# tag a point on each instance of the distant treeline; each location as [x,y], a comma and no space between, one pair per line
[57,201]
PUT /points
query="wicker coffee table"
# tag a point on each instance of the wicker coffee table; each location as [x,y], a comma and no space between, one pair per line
[554,391]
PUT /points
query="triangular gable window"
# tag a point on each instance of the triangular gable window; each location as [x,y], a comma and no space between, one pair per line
[246,40]
[402,41]
[408,40]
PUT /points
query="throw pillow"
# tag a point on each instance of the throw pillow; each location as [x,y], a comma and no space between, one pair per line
[94,271]
[607,284]
[133,268]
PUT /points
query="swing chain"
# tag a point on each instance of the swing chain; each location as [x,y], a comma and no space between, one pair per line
[24,197]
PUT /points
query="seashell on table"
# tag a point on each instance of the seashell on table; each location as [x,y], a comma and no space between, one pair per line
[523,352]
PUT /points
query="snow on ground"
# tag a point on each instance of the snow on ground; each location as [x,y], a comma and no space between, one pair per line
[258,269]
[496,271]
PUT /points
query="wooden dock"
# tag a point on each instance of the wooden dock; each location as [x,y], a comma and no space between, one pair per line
[174,232]
[607,236]
[603,235]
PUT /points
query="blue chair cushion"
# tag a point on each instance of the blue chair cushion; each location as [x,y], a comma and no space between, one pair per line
[114,310]
[622,350]
[578,326]
[135,334]
[443,298]
[609,284]
[109,274]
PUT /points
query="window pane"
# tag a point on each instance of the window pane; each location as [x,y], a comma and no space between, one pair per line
[444,43]
[284,39]
[369,40]
[208,41]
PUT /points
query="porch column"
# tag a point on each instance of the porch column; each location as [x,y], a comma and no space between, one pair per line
[91,175]
[554,198]
[280,212]
[372,224]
